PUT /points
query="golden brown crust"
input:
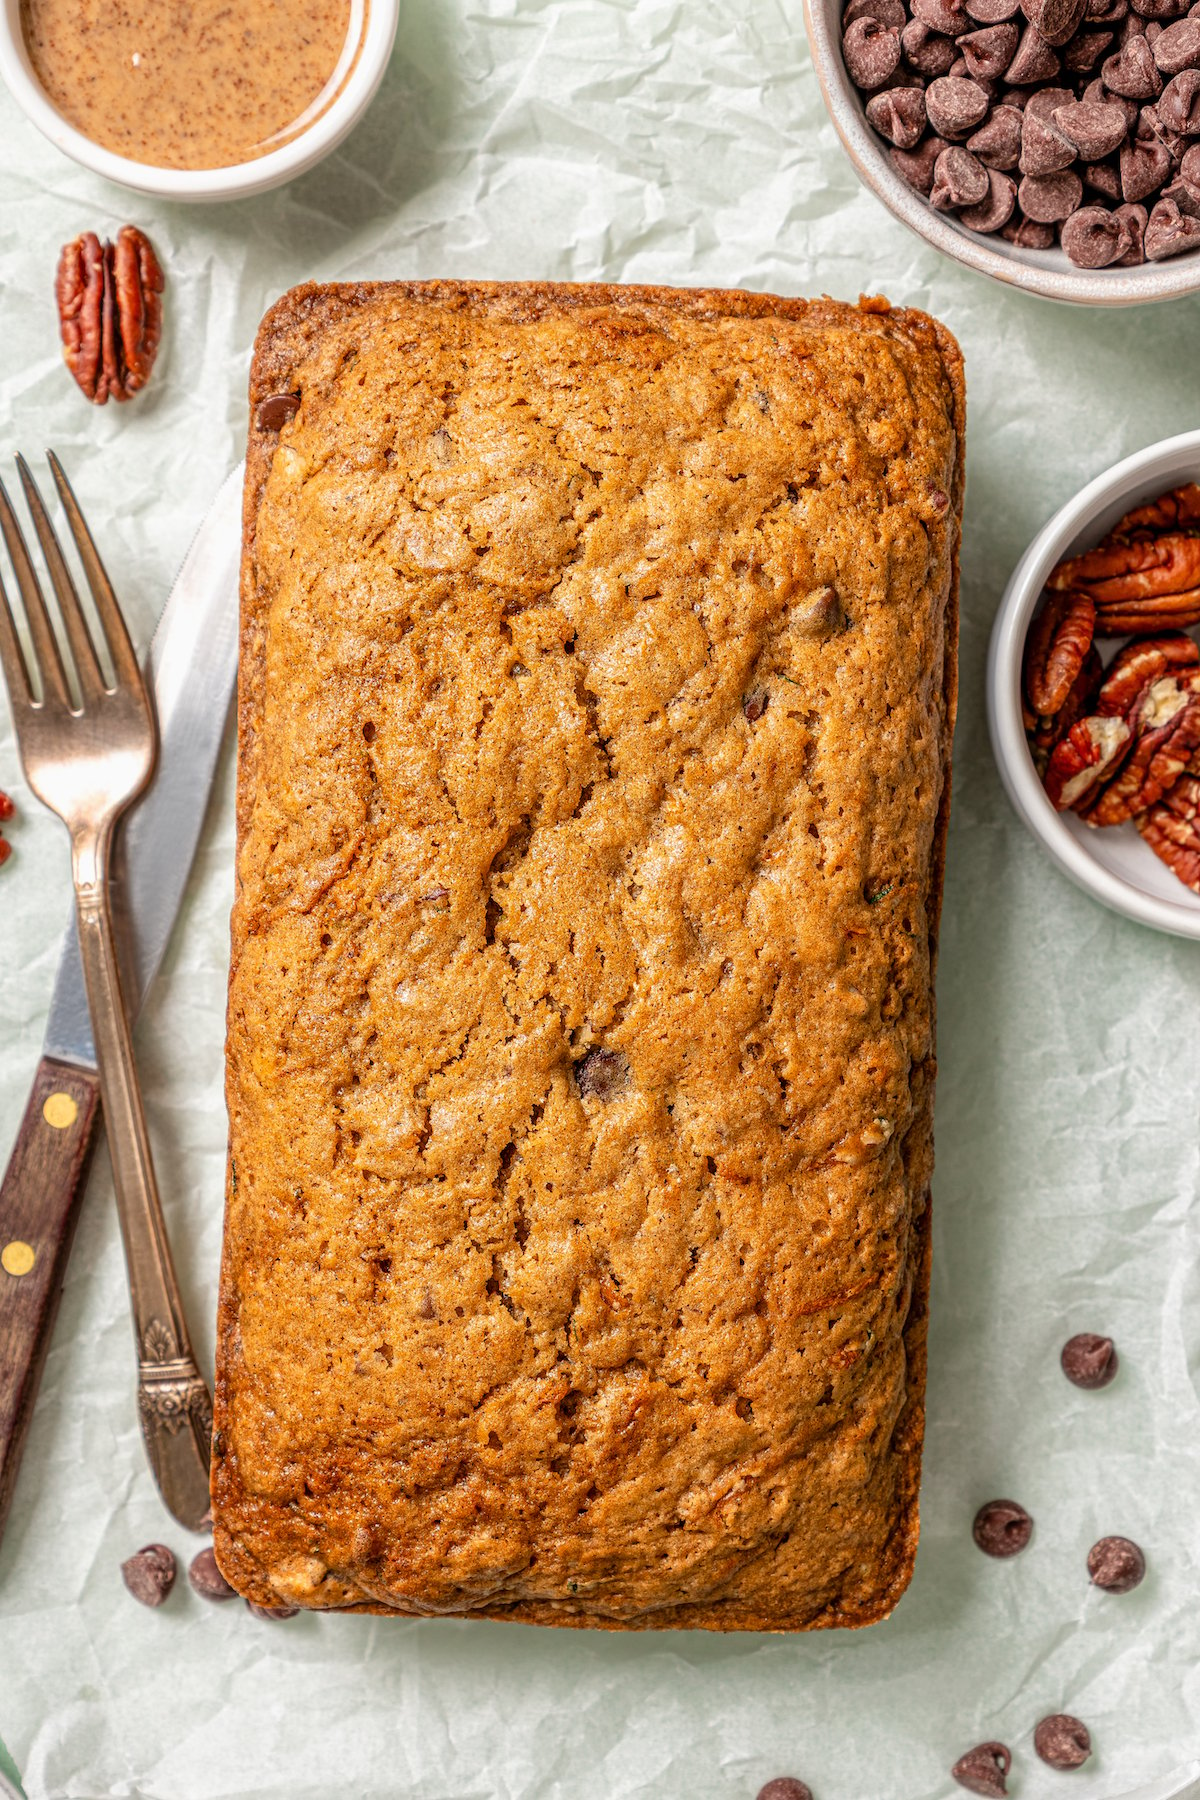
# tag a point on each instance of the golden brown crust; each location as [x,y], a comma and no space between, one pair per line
[732,1440]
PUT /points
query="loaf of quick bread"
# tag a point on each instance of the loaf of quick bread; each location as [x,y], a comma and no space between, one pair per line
[597,688]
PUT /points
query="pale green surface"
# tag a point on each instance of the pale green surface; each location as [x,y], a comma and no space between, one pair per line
[686,144]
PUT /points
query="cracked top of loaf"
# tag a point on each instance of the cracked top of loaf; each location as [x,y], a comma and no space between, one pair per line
[596,694]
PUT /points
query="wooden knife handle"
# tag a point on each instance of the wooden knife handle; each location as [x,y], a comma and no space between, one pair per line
[39,1204]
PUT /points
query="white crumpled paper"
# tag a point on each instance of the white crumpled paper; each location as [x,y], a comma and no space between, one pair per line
[680,141]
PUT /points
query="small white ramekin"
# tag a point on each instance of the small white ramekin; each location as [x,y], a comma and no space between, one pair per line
[1113,865]
[277,166]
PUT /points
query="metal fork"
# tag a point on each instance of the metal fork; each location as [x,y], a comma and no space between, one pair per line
[87,761]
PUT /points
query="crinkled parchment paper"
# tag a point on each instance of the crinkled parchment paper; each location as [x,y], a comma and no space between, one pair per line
[680,141]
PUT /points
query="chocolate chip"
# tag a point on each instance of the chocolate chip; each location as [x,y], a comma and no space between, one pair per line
[755,705]
[984,1770]
[1046,102]
[1186,198]
[274,412]
[1035,60]
[1062,1741]
[1107,12]
[992,12]
[1160,10]
[872,52]
[1178,47]
[1091,237]
[917,166]
[1050,198]
[929,53]
[1088,1360]
[1028,234]
[271,1612]
[1095,131]
[1169,232]
[958,180]
[955,106]
[1179,104]
[207,1579]
[1116,1564]
[947,16]
[997,143]
[1105,178]
[1044,148]
[150,1574]
[1002,1528]
[898,115]
[1055,20]
[1145,166]
[785,1787]
[996,209]
[1189,168]
[601,1072]
[1133,71]
[989,51]
[1133,220]
[888,12]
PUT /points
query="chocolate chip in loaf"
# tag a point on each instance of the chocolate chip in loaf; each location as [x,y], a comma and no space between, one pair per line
[1088,1360]
[206,1579]
[1063,1742]
[602,1072]
[1002,1528]
[274,412]
[755,705]
[984,1770]
[785,1787]
[149,1574]
[1116,1564]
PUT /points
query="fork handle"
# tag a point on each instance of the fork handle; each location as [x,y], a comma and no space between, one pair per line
[174,1406]
[39,1204]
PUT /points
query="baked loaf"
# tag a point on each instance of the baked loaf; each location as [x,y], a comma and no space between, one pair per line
[597,685]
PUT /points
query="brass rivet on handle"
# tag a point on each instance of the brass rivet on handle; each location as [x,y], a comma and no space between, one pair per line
[17,1258]
[60,1111]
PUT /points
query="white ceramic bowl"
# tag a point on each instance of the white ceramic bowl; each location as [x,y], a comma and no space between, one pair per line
[373,41]
[1047,272]
[1112,865]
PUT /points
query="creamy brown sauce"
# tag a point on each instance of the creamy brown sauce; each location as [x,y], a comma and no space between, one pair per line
[191,84]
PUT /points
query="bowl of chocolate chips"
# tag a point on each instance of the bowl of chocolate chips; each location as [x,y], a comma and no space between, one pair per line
[1052,144]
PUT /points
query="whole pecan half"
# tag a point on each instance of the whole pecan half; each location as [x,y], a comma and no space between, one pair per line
[1166,733]
[1045,732]
[1132,669]
[109,300]
[1171,827]
[1180,507]
[1168,612]
[1141,568]
[1059,639]
[1084,758]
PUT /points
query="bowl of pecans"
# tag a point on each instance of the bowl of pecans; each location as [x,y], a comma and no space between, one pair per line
[1051,144]
[1094,687]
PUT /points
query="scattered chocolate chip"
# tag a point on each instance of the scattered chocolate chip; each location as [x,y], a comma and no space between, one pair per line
[1091,237]
[898,115]
[1002,1528]
[1062,1741]
[958,180]
[984,1770]
[274,412]
[785,1787]
[998,142]
[271,1612]
[601,1072]
[1088,1360]
[150,1574]
[955,106]
[872,52]
[1116,1564]
[207,1579]
[997,209]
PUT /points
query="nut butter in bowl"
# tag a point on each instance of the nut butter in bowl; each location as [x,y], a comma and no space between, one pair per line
[200,102]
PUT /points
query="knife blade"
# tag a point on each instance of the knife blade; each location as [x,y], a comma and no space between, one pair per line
[191,667]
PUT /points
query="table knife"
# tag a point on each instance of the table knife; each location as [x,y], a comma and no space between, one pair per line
[192,668]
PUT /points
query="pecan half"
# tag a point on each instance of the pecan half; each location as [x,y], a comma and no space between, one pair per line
[1171,827]
[1141,568]
[1166,731]
[109,299]
[1079,762]
[1059,640]
[1132,670]
[1044,733]
[1168,612]
[1180,507]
